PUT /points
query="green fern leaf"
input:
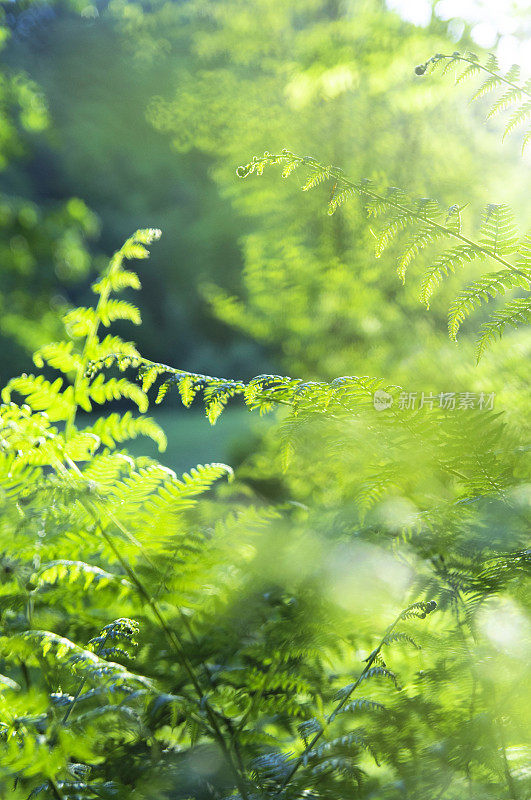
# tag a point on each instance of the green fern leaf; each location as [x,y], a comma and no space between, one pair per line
[488,86]
[102,391]
[516,312]
[447,263]
[470,72]
[41,395]
[422,239]
[111,346]
[498,230]
[317,178]
[119,309]
[507,99]
[118,280]
[339,198]
[492,63]
[120,427]
[484,289]
[58,355]
[80,322]
[67,572]
[513,74]
[520,116]
[398,223]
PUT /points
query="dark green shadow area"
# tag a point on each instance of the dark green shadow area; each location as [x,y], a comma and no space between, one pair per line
[193,440]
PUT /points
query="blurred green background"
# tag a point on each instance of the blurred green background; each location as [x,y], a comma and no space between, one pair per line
[122,115]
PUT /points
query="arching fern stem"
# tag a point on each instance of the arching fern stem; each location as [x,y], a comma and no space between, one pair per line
[335,173]
[475,63]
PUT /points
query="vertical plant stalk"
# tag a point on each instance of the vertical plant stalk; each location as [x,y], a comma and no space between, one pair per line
[90,339]
[178,646]
[82,685]
[231,730]
[174,639]
[511,787]
[369,662]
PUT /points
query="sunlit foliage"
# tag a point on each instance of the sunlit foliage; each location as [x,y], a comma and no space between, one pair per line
[346,615]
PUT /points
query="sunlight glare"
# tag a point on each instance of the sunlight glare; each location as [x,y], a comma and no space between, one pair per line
[498,25]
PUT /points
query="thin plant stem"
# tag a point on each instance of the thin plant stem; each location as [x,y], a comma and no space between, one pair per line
[178,646]
[369,662]
[82,685]
[489,71]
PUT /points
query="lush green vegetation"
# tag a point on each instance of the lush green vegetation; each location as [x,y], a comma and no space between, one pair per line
[344,611]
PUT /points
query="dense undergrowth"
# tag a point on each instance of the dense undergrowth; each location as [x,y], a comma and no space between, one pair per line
[360,632]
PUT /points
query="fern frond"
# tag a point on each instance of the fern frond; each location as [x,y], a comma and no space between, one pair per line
[492,64]
[513,74]
[288,169]
[361,704]
[400,636]
[119,309]
[262,393]
[80,322]
[41,395]
[123,630]
[36,644]
[372,491]
[422,239]
[133,247]
[523,260]
[77,790]
[105,469]
[516,312]
[102,391]
[398,223]
[520,116]
[177,494]
[484,289]
[498,237]
[447,263]
[357,738]
[419,610]
[68,572]
[120,427]
[516,95]
[113,344]
[339,198]
[488,86]
[470,72]
[316,178]
[58,355]
[504,102]
[125,279]
[498,230]
[379,672]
